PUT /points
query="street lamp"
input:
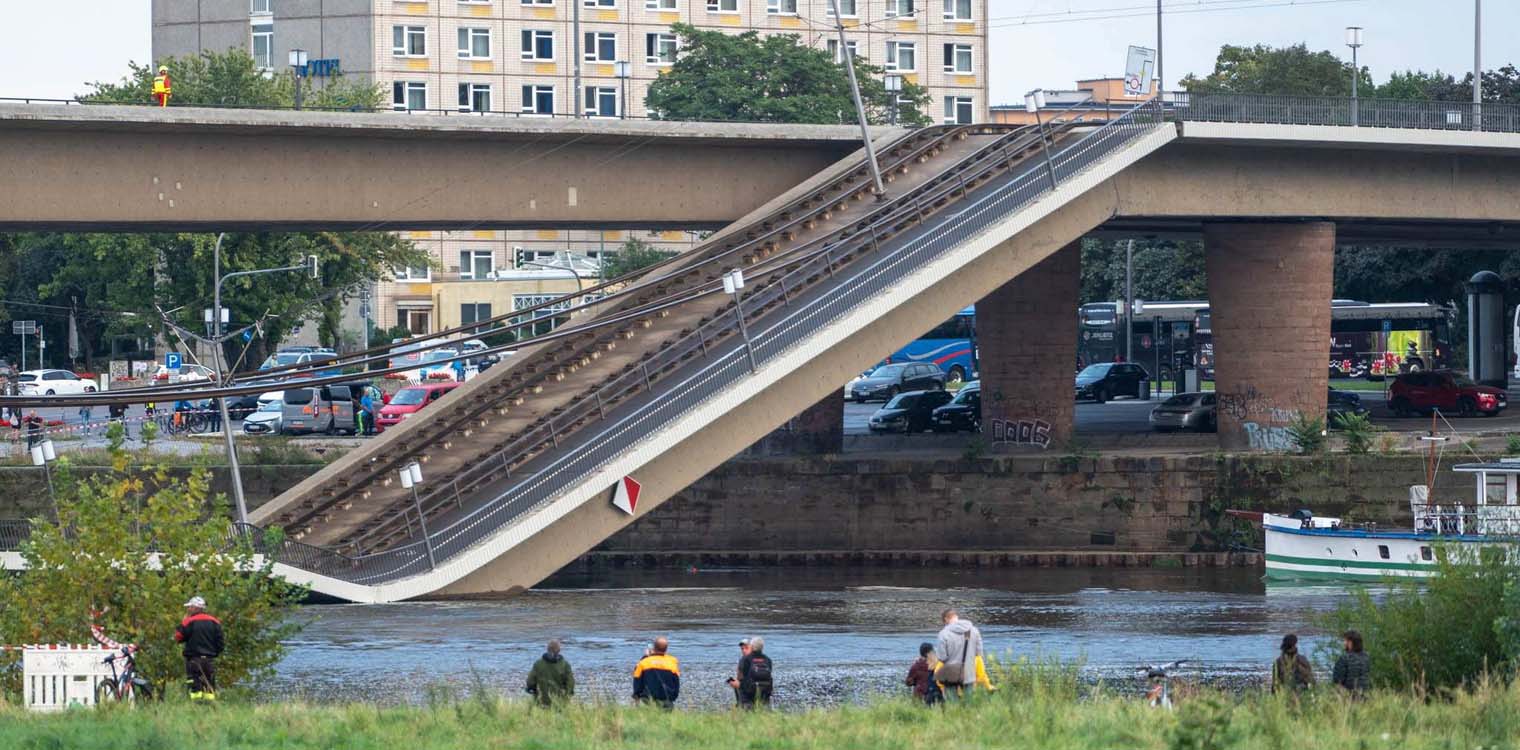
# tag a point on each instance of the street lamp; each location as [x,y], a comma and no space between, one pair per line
[1354,41]
[733,284]
[1034,101]
[860,109]
[297,71]
[893,83]
[43,454]
[623,70]
[411,476]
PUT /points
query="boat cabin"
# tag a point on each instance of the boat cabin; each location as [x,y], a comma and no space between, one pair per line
[1494,510]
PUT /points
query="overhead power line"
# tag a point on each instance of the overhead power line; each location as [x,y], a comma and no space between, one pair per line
[1141,11]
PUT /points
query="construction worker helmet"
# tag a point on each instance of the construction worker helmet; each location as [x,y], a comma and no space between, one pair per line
[163,69]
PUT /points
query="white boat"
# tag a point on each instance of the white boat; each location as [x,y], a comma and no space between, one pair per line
[1303,545]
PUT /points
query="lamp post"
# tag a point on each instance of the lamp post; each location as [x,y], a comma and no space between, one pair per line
[860,109]
[411,476]
[893,83]
[1034,101]
[624,70]
[733,283]
[1477,89]
[1354,41]
[43,454]
[298,71]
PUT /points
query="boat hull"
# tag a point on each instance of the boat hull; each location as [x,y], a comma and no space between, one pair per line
[1330,554]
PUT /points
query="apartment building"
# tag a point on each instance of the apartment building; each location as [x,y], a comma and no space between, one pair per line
[514,58]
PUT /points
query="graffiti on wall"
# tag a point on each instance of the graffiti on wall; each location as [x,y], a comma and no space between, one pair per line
[1264,437]
[1251,404]
[1021,432]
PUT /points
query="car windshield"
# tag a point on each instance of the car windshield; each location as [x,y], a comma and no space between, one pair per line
[967,394]
[902,401]
[298,396]
[408,397]
[27,377]
[273,406]
[1181,399]
[1093,372]
[439,354]
[887,371]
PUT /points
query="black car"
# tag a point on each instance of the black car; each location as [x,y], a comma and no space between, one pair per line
[964,412]
[1106,380]
[1340,403]
[887,381]
[908,412]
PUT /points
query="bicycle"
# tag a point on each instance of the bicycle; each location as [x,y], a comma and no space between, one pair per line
[126,685]
[1159,695]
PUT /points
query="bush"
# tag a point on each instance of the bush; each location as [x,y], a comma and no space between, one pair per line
[1308,433]
[1512,445]
[1357,430]
[1449,631]
[135,547]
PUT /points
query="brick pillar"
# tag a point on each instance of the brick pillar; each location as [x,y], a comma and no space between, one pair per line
[1269,303]
[820,427]
[1027,335]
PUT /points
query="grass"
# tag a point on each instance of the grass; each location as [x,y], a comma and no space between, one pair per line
[265,451]
[1034,713]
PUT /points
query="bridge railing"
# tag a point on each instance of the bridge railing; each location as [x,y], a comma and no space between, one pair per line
[1346,112]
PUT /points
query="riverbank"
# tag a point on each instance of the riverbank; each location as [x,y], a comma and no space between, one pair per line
[1025,714]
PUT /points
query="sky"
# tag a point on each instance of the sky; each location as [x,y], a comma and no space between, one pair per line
[1034,43]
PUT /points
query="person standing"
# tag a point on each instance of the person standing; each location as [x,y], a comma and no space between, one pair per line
[1353,670]
[959,651]
[118,414]
[201,635]
[657,676]
[163,87]
[921,676]
[33,429]
[367,412]
[1291,671]
[551,681]
[755,680]
[733,682]
[212,408]
[85,413]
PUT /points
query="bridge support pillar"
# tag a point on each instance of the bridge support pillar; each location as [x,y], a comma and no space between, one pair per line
[1269,303]
[820,427]
[1027,335]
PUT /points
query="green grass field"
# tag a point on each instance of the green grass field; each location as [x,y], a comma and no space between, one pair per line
[1015,717]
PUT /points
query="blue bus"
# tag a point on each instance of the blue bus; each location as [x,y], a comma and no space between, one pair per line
[951,345]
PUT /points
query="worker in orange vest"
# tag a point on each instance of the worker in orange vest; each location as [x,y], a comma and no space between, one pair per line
[162,87]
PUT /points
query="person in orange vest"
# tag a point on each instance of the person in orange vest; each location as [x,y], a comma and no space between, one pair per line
[163,88]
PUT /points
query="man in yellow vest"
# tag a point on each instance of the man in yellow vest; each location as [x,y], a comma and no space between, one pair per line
[162,87]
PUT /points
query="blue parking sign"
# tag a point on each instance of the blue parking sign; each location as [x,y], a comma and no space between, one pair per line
[172,360]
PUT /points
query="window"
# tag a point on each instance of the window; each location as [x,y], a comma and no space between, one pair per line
[833,45]
[260,7]
[781,7]
[537,44]
[416,321]
[537,2]
[474,312]
[957,10]
[1426,554]
[846,8]
[1383,551]
[474,97]
[263,45]
[414,273]
[957,58]
[538,100]
[898,8]
[523,301]
[475,264]
[475,44]
[599,3]
[601,46]
[957,110]
[659,49]
[406,95]
[722,6]
[659,4]
[901,56]
[409,41]
[601,101]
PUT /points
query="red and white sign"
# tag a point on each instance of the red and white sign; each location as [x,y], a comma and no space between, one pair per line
[625,495]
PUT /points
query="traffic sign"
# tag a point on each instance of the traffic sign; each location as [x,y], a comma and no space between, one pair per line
[172,360]
[625,495]
[24,327]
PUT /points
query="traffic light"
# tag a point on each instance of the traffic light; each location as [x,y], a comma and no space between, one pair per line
[311,267]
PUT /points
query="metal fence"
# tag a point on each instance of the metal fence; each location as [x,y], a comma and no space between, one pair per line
[1345,112]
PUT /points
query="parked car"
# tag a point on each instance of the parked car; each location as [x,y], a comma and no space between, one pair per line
[328,409]
[1106,380]
[52,383]
[1341,403]
[1420,392]
[908,412]
[887,381]
[305,355]
[1186,411]
[186,374]
[410,400]
[964,412]
[265,419]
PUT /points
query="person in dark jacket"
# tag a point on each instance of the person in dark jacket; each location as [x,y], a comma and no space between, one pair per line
[921,675]
[1291,671]
[201,635]
[755,676]
[657,676]
[1353,671]
[733,682]
[551,681]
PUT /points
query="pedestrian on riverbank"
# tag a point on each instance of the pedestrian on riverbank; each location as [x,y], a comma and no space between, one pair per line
[551,681]
[921,676]
[33,429]
[118,413]
[1353,670]
[85,413]
[1291,671]
[755,676]
[959,652]
[657,676]
[202,635]
[212,408]
[733,682]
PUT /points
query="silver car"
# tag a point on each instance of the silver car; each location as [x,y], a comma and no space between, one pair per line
[1186,411]
[265,420]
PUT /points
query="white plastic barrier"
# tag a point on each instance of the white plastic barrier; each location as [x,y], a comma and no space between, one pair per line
[63,676]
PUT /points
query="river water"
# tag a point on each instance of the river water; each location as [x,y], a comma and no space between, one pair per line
[834,635]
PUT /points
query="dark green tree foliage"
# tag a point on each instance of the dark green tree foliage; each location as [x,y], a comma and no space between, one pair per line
[1163,270]
[1277,70]
[749,78]
[635,254]
[232,79]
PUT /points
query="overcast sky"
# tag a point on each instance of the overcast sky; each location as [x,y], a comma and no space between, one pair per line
[1034,43]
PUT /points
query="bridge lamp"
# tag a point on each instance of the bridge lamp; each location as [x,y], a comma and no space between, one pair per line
[297,69]
[733,284]
[623,70]
[1034,101]
[411,476]
[43,454]
[1354,41]
[893,84]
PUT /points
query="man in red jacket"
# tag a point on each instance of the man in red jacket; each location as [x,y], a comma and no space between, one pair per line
[202,635]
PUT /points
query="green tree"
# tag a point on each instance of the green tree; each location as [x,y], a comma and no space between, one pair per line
[1263,69]
[233,79]
[1163,270]
[635,254]
[135,545]
[750,78]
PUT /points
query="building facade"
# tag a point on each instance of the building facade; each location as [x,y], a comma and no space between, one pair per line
[1093,100]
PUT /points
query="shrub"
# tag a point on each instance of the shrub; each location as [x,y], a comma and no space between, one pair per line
[1512,445]
[1308,433]
[1357,430]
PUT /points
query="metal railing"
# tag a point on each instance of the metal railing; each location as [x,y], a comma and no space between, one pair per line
[1345,112]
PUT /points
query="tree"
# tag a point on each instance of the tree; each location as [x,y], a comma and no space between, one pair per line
[634,255]
[1292,70]
[750,78]
[1163,270]
[136,545]
[232,79]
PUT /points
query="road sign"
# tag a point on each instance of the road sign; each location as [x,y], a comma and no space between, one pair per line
[24,327]
[625,495]
[172,360]
[1387,326]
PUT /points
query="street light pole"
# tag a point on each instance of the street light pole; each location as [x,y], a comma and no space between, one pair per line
[1477,87]
[623,69]
[893,83]
[43,455]
[221,404]
[1129,302]
[860,110]
[411,476]
[1034,101]
[578,99]
[297,67]
[733,283]
[1160,69]
[1354,41]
